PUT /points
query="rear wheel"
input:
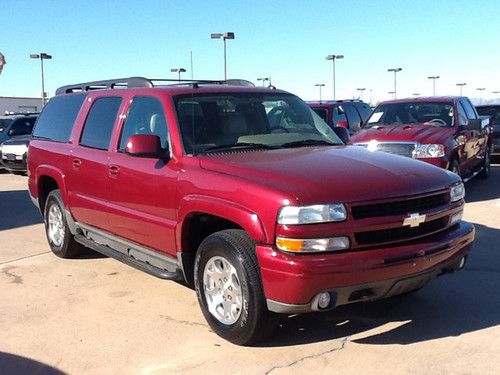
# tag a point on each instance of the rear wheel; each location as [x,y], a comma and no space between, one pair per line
[485,173]
[60,239]
[229,288]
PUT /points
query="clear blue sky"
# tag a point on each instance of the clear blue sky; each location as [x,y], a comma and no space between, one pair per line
[286,40]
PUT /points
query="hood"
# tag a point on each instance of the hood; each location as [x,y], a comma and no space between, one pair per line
[404,133]
[332,174]
[18,140]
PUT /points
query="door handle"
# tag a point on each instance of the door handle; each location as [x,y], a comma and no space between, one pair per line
[77,163]
[113,171]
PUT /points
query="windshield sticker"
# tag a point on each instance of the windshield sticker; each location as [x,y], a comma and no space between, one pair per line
[375,117]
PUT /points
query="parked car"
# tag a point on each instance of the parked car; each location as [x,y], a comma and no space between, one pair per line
[349,114]
[443,131]
[13,125]
[198,181]
[492,110]
[14,152]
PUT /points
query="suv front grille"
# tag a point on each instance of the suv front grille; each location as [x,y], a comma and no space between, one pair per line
[400,234]
[403,149]
[400,207]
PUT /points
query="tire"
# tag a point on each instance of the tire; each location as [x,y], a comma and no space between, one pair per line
[61,241]
[455,167]
[236,311]
[485,173]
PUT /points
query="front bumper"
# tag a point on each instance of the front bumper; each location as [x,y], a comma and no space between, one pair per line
[292,282]
[14,163]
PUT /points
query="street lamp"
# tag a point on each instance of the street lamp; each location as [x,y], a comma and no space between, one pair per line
[433,84]
[393,93]
[333,58]
[179,71]
[264,79]
[361,89]
[496,92]
[320,85]
[481,89]
[224,36]
[461,85]
[395,70]
[416,94]
[42,56]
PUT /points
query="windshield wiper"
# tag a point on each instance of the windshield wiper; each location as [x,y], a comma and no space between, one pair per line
[309,142]
[239,145]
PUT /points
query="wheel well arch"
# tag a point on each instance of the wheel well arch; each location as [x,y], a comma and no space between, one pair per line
[196,227]
[45,185]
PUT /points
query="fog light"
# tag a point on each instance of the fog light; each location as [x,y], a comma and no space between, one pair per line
[323,300]
[456,217]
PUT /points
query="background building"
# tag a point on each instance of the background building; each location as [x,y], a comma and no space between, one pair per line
[19,104]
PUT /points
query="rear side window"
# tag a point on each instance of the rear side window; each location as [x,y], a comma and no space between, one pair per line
[100,121]
[352,116]
[364,110]
[57,118]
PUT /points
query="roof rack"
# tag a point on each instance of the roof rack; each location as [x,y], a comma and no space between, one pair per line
[141,82]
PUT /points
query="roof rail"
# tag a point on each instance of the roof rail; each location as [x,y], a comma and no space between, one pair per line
[107,84]
[141,82]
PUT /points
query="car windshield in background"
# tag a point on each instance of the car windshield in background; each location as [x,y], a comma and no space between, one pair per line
[217,122]
[493,111]
[4,123]
[418,113]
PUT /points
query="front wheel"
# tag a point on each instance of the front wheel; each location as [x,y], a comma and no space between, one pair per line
[229,288]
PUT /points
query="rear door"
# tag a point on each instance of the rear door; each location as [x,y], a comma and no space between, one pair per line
[142,190]
[88,172]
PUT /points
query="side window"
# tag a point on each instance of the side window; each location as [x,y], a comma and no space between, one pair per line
[57,118]
[145,116]
[100,121]
[338,115]
[364,110]
[352,116]
[462,116]
[471,114]
[21,126]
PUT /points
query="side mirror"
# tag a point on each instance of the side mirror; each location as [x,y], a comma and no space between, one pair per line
[342,133]
[144,145]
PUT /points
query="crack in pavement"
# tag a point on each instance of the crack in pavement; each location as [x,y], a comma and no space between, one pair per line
[186,322]
[26,257]
[8,271]
[342,346]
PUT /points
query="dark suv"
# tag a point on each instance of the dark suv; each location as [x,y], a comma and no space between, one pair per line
[493,111]
[349,114]
[263,214]
[15,130]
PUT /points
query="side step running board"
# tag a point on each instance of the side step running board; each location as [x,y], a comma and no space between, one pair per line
[137,264]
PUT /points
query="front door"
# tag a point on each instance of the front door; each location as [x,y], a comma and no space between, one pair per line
[142,190]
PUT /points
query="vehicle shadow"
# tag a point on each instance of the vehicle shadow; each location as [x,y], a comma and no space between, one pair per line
[16,365]
[478,189]
[17,210]
[452,305]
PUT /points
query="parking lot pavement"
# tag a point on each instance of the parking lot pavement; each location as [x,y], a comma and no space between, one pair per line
[95,315]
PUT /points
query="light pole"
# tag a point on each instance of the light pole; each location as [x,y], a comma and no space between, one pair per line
[393,93]
[361,89]
[264,79]
[395,70]
[416,94]
[481,89]
[320,85]
[42,56]
[333,58]
[495,92]
[433,84]
[461,85]
[178,70]
[224,36]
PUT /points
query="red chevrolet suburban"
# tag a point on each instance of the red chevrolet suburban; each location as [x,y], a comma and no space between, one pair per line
[444,131]
[264,215]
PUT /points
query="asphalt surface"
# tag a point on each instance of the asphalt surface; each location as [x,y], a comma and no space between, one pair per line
[94,315]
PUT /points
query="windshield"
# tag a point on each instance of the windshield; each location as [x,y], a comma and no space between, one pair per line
[4,124]
[421,113]
[228,121]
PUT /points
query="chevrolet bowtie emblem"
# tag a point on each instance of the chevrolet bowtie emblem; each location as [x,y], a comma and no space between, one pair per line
[414,220]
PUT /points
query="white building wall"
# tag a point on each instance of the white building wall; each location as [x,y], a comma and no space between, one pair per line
[19,104]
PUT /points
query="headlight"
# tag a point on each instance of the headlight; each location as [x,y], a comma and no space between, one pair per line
[457,192]
[312,245]
[429,151]
[319,213]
